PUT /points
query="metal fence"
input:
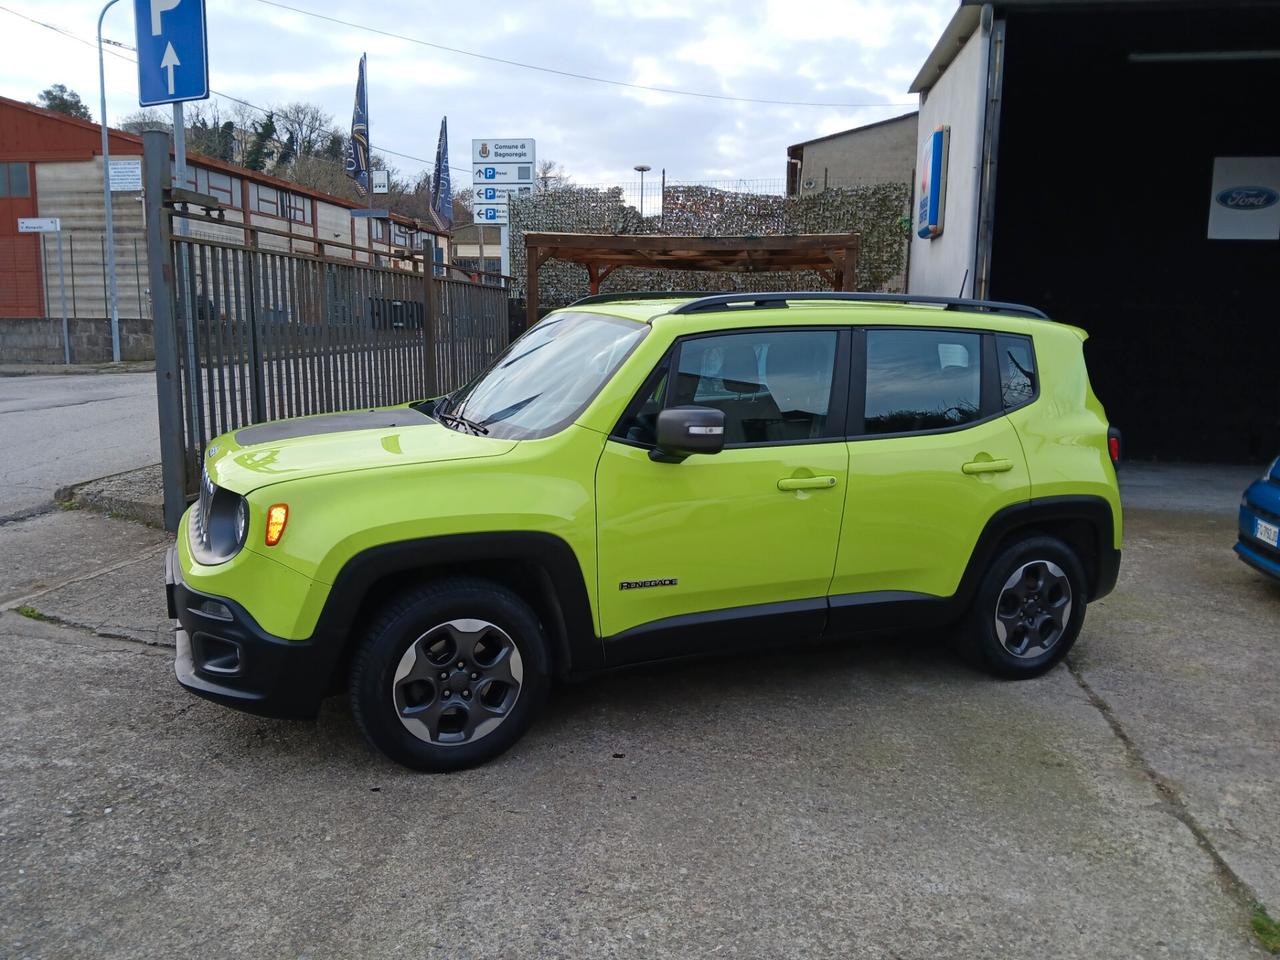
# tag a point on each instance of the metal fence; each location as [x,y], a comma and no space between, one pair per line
[246,334]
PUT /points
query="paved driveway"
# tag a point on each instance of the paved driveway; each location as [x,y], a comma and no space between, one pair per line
[868,800]
[65,429]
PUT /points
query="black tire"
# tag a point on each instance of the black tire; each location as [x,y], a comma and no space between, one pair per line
[401,667]
[1043,628]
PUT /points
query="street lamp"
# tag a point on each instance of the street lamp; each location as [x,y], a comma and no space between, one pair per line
[114,296]
[642,169]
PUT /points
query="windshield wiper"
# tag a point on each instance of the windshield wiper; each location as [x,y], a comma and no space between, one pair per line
[513,408]
[479,429]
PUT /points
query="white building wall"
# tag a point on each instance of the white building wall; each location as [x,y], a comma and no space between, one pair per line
[958,99]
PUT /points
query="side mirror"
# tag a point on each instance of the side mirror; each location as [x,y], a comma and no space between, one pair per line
[683,431]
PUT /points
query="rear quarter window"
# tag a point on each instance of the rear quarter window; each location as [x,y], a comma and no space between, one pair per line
[1016,360]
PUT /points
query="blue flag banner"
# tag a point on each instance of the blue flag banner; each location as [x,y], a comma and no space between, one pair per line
[441,189]
[357,159]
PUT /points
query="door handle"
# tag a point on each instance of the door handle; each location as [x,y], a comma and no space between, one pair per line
[806,483]
[986,466]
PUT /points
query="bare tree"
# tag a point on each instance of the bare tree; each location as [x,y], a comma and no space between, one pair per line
[309,125]
[551,175]
[141,121]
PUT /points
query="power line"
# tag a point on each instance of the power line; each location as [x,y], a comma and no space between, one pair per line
[568,73]
[226,96]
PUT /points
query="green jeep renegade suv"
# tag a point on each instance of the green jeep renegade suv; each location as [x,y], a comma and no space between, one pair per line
[641,477]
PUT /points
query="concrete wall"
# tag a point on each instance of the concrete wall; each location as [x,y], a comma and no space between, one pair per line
[39,340]
[958,100]
[884,153]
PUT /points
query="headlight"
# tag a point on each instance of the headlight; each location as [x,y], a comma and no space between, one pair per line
[242,521]
[220,524]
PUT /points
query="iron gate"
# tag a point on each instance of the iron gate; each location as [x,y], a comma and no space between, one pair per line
[246,333]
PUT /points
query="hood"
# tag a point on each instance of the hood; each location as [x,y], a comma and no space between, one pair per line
[268,453]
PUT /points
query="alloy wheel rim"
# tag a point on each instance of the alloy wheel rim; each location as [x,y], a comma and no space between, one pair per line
[457,682]
[1033,609]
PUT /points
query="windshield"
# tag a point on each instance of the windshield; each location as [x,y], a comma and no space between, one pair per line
[545,379]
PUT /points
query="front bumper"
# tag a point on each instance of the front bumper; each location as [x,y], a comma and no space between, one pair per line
[1261,502]
[224,656]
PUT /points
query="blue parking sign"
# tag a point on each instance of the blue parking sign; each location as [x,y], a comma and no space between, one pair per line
[173,51]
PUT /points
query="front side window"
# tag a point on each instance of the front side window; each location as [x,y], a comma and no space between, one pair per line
[540,383]
[922,380]
[1017,370]
[774,386]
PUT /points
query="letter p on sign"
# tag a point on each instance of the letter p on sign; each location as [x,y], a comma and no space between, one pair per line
[157,8]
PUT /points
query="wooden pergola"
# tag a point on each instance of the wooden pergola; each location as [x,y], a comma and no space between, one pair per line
[832,255]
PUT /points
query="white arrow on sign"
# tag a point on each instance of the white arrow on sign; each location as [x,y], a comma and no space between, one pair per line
[170,61]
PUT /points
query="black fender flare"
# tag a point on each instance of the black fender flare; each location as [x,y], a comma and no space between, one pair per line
[548,557]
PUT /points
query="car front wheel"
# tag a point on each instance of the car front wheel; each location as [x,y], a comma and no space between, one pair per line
[450,675]
[1028,610]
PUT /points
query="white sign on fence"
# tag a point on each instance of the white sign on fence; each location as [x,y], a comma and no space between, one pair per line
[126,174]
[39,225]
[506,150]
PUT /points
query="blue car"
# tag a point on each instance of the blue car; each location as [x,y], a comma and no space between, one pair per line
[1260,523]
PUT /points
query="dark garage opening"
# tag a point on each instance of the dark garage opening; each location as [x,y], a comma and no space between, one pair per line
[1104,176]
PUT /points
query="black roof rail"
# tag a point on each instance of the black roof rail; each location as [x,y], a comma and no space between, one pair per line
[752,301]
[639,295]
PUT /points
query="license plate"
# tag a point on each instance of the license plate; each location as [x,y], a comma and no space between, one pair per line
[1267,532]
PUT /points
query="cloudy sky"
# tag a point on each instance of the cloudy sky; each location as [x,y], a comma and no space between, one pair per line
[854,58]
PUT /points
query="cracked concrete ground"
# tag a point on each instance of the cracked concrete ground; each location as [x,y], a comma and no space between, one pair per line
[875,799]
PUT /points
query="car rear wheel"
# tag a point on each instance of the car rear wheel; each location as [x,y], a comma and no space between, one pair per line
[450,675]
[1028,610]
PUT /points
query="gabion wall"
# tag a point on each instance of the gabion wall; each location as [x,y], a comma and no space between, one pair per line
[877,212]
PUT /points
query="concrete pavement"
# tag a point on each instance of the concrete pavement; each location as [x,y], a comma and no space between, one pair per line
[60,430]
[871,800]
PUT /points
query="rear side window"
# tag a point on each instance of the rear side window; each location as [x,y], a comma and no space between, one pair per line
[1017,362]
[922,380]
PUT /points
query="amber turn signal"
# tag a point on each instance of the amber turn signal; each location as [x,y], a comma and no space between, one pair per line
[277,517]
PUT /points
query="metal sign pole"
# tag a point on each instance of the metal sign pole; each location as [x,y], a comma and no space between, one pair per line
[106,197]
[62,289]
[180,162]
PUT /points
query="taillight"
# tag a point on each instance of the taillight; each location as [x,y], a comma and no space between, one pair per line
[1113,444]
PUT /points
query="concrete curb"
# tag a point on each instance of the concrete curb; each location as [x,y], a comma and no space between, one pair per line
[75,369]
[134,495]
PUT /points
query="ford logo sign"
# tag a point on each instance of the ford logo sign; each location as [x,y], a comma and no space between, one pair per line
[1248,198]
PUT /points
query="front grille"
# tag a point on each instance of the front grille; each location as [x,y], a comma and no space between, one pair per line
[1266,515]
[202,509]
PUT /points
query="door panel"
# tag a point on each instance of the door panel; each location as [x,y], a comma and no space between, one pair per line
[720,526]
[915,506]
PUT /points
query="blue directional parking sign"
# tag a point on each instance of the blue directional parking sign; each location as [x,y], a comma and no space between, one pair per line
[173,51]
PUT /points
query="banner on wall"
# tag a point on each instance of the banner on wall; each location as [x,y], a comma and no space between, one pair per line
[932,197]
[1244,202]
